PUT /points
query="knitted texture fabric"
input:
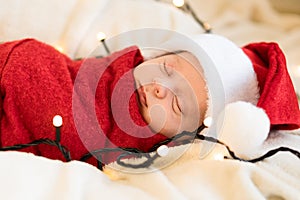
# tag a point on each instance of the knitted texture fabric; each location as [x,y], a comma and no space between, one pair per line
[277,94]
[37,83]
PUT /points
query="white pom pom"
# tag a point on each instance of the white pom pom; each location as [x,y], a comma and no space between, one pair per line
[243,127]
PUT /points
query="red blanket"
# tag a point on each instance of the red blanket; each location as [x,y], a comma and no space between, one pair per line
[37,83]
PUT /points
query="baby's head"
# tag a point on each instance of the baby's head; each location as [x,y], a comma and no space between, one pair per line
[172,92]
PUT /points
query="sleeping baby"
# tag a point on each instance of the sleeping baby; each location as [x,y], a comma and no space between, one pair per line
[173,90]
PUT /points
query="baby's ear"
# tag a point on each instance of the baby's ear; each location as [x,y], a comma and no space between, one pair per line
[243,127]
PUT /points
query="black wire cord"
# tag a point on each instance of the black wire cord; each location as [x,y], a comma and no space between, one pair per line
[56,143]
[183,138]
[188,9]
[261,158]
[207,28]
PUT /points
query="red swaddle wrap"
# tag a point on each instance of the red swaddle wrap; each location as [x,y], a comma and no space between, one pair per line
[37,83]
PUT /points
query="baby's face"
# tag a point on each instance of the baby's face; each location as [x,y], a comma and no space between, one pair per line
[172,93]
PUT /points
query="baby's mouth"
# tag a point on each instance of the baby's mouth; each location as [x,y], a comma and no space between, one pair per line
[142,96]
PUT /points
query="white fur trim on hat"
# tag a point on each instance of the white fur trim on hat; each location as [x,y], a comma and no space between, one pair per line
[234,69]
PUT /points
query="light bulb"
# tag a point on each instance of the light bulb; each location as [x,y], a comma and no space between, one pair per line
[101,36]
[208,121]
[218,156]
[206,26]
[59,48]
[57,121]
[163,150]
[178,3]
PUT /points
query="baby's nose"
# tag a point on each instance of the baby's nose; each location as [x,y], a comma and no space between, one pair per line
[159,91]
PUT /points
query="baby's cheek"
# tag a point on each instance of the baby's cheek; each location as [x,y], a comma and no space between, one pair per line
[163,122]
[157,117]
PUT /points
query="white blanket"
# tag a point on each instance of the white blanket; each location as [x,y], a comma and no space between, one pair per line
[25,176]
[74,24]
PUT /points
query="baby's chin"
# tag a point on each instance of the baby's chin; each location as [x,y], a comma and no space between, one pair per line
[164,131]
[172,132]
[159,128]
[169,134]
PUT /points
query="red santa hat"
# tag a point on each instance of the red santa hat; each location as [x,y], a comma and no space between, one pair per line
[277,94]
[250,91]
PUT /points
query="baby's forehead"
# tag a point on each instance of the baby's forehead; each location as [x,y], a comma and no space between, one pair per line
[176,57]
[170,54]
[168,58]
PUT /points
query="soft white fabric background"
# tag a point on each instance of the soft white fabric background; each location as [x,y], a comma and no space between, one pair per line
[74,24]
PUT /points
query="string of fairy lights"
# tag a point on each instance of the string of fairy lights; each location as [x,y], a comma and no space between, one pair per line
[161,149]
[187,8]
[158,150]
